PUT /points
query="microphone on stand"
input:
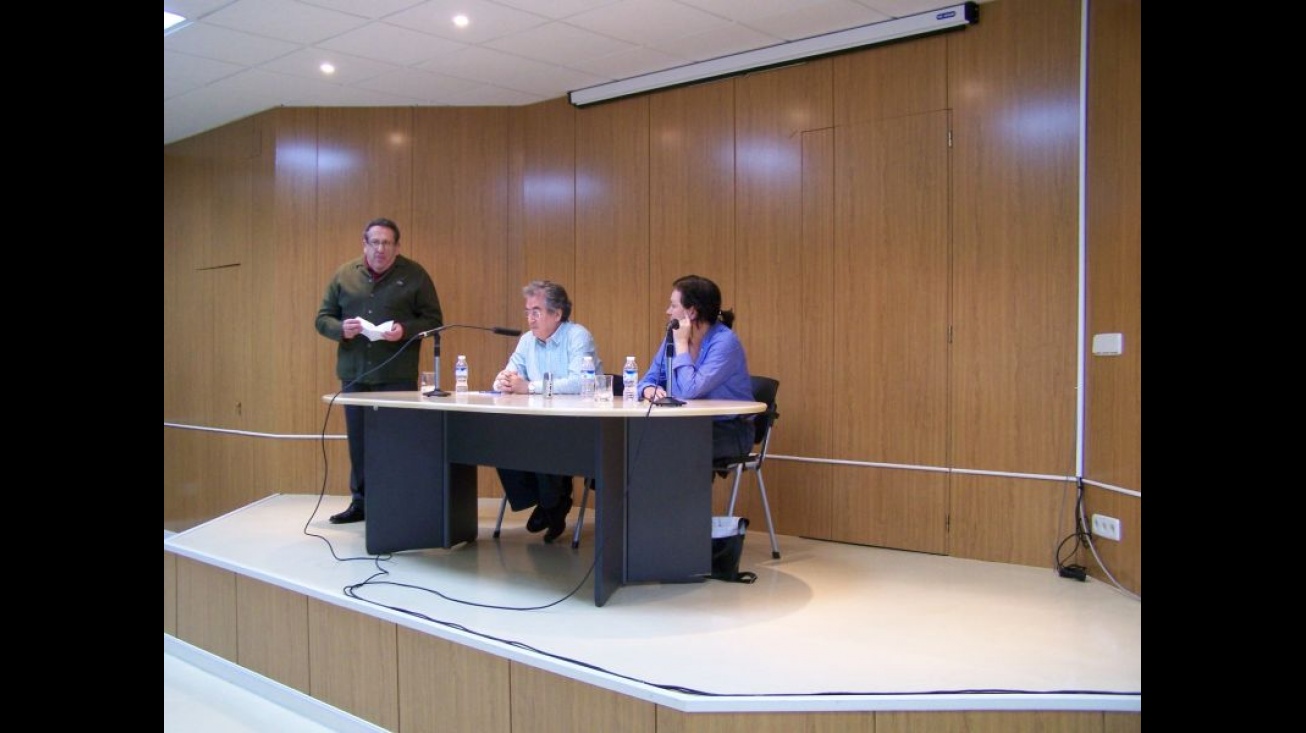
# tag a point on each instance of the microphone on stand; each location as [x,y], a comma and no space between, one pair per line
[669,353]
[496,329]
[436,391]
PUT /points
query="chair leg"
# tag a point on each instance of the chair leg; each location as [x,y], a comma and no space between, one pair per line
[734,492]
[580,518]
[503,506]
[766,506]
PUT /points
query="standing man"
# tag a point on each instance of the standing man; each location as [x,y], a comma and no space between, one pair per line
[380,289]
[555,345]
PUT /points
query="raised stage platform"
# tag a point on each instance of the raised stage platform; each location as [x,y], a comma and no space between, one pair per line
[828,627]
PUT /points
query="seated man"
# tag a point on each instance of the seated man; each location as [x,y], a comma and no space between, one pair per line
[554,346]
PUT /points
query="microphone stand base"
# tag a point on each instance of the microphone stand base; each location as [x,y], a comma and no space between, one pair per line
[435,393]
[668,401]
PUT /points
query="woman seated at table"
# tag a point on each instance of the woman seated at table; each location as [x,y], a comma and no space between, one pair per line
[709,362]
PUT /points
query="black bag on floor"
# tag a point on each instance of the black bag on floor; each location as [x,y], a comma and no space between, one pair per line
[727,548]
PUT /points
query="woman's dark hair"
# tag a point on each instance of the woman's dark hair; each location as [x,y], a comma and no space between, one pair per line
[555,296]
[703,295]
[382,222]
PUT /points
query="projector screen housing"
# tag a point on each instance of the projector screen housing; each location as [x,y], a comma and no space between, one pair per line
[907,26]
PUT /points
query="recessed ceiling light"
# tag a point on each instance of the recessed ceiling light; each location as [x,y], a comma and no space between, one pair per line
[171,19]
[327,68]
[461,21]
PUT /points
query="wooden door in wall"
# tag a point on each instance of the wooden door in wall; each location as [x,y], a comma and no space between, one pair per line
[891,286]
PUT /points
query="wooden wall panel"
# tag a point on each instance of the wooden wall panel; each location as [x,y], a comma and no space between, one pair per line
[543,702]
[675,721]
[784,199]
[185,460]
[272,632]
[207,350]
[231,347]
[207,474]
[1123,559]
[1014,90]
[232,329]
[187,196]
[206,608]
[287,289]
[892,80]
[891,288]
[1011,520]
[802,496]
[1114,199]
[984,721]
[691,190]
[612,291]
[229,480]
[1122,722]
[169,593]
[446,686]
[353,663]
[773,110]
[542,200]
[890,508]
[238,147]
[301,466]
[460,226]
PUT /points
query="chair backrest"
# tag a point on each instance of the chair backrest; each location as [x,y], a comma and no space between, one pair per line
[764,390]
[618,384]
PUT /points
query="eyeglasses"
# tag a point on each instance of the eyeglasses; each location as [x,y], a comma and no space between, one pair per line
[533,314]
[381,244]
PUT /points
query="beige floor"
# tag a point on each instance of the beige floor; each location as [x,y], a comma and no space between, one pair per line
[203,694]
[826,627]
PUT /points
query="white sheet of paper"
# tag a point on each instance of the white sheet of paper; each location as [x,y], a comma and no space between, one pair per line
[375,332]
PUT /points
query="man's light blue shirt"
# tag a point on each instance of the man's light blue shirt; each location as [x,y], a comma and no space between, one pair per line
[561,355]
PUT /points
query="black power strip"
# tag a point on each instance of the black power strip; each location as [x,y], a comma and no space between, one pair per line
[1076,572]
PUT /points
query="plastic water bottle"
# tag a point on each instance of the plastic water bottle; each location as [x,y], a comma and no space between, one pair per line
[629,375]
[587,378]
[460,375]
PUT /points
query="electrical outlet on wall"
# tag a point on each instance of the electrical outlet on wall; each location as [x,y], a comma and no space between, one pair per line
[1106,527]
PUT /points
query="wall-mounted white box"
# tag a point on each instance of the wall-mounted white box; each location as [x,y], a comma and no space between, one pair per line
[1108,344]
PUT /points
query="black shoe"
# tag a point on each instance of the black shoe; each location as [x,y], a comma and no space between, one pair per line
[353,514]
[558,519]
[539,519]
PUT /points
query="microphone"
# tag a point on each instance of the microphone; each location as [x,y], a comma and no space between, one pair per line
[668,400]
[495,329]
[437,392]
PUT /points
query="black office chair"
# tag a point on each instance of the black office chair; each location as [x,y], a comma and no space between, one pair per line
[764,390]
[618,385]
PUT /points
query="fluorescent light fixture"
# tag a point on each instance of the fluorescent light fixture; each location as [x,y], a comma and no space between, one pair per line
[782,53]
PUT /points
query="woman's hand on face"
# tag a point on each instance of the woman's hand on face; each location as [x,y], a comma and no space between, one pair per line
[682,335]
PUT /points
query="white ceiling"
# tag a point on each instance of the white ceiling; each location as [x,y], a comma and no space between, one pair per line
[240,57]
